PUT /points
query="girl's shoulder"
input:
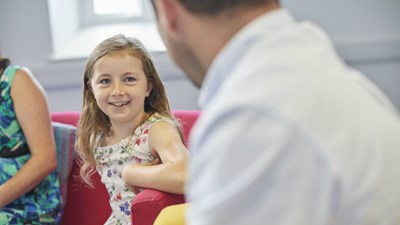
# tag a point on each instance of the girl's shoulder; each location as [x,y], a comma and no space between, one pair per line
[157,117]
[152,120]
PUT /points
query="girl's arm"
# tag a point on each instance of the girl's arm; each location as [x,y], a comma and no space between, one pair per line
[32,113]
[170,175]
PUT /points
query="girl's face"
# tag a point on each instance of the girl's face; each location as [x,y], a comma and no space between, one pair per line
[120,87]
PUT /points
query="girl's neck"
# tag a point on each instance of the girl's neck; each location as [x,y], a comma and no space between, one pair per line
[119,132]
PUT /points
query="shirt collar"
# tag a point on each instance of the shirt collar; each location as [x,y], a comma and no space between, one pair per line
[235,49]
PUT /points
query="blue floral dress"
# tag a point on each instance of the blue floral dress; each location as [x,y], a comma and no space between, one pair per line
[112,159]
[41,205]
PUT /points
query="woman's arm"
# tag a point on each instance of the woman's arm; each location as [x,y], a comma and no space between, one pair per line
[170,175]
[32,113]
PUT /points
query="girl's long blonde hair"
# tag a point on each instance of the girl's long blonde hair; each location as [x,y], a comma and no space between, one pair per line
[92,120]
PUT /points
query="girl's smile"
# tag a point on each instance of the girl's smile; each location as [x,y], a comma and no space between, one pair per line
[119,103]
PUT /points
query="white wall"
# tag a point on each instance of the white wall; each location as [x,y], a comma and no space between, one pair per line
[366,33]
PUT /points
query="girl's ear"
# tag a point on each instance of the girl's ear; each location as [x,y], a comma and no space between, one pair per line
[89,85]
[149,88]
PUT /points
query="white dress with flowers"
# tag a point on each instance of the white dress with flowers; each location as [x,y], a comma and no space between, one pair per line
[112,159]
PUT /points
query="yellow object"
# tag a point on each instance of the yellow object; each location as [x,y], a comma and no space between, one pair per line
[172,215]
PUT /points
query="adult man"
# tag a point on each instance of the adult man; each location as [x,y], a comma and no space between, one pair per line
[287,135]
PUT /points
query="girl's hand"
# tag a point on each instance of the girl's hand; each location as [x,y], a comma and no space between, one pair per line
[136,189]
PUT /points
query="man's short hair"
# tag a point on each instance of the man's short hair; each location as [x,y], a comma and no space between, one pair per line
[215,6]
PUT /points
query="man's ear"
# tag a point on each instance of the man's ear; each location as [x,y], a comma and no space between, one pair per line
[167,14]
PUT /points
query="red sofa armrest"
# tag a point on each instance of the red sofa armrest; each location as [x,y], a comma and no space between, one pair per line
[148,204]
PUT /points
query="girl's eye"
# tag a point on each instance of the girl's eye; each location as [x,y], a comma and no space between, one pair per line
[129,79]
[105,81]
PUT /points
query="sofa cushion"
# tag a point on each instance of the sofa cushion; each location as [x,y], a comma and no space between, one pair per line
[64,136]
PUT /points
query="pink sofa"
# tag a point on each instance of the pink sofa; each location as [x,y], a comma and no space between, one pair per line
[86,206]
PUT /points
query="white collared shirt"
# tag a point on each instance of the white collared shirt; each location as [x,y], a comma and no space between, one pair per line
[288,136]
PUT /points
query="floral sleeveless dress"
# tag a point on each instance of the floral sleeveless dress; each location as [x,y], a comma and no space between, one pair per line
[112,159]
[43,204]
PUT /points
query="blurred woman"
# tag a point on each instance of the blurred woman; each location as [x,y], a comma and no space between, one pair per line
[29,187]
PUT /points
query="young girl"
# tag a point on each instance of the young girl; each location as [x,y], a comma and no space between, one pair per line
[126,131]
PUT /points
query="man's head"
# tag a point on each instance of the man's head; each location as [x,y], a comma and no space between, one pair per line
[195,31]
[213,7]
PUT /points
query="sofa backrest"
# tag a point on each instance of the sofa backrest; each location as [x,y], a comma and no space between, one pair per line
[186,117]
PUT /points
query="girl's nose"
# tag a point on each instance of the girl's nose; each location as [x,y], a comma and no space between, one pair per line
[118,89]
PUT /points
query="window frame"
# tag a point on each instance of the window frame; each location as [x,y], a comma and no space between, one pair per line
[89,18]
[71,40]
